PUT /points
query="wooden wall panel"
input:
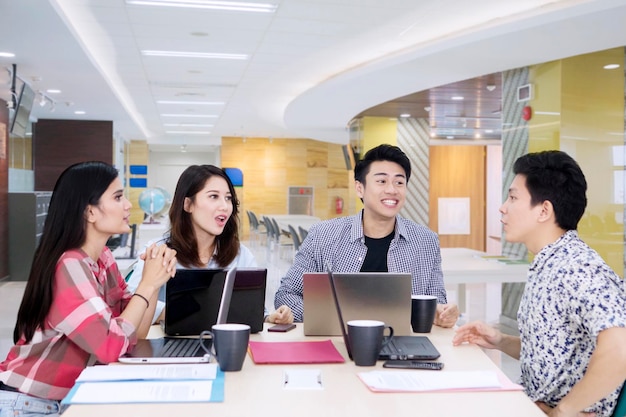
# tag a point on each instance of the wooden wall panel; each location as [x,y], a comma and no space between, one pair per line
[270,166]
[21,154]
[4,190]
[137,154]
[459,171]
[58,144]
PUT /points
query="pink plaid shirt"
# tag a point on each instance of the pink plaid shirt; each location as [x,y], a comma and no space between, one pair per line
[83,327]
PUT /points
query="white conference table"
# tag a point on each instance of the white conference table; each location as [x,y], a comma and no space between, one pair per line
[258,390]
[463,266]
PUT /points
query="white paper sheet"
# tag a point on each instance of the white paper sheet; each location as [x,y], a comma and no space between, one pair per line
[142,391]
[428,380]
[454,216]
[148,372]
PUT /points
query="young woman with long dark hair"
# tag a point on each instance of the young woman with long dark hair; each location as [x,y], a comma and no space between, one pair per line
[204,228]
[77,309]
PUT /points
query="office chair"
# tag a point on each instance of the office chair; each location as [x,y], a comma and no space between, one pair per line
[256,229]
[280,239]
[303,233]
[295,238]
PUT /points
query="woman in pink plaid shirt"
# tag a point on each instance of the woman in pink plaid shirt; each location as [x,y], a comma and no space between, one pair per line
[76,309]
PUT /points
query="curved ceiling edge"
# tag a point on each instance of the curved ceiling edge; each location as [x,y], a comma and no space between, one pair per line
[324,111]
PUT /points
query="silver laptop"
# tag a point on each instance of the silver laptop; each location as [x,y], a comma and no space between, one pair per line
[383,296]
[201,314]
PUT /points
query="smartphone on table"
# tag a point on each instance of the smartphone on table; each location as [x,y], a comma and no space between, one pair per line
[281,328]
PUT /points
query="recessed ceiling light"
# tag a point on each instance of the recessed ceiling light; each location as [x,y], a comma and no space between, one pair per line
[209,4]
[405,115]
[477,135]
[53,91]
[79,112]
[187,125]
[7,55]
[182,54]
[189,115]
[203,103]
[611,66]
[186,132]
[457,98]
[489,131]
[449,137]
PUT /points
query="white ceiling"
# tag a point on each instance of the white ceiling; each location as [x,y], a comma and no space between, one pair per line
[313,64]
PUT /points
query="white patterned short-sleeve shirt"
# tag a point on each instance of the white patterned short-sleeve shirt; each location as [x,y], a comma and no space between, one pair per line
[571,296]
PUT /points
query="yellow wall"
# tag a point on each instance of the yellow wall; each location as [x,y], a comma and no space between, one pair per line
[587,122]
[374,131]
[271,166]
[378,130]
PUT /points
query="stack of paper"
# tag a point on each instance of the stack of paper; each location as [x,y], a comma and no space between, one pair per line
[403,381]
[147,384]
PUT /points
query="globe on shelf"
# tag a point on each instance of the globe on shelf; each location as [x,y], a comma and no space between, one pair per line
[154,202]
[168,202]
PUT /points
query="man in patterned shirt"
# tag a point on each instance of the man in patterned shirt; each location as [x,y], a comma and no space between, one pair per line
[571,318]
[377,239]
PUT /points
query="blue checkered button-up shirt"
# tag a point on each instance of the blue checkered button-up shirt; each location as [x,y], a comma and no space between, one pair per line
[341,243]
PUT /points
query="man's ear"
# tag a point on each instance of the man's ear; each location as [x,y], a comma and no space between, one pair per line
[360,188]
[547,212]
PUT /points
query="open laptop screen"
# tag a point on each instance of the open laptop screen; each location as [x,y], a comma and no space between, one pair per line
[195,298]
[380,296]
[247,304]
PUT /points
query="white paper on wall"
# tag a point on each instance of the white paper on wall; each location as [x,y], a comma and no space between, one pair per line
[454,216]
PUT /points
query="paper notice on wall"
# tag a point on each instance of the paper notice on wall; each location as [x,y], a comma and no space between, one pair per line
[454,216]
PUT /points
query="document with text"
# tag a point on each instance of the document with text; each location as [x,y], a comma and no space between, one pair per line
[416,381]
[119,384]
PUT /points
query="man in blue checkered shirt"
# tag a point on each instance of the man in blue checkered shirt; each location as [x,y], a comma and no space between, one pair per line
[377,239]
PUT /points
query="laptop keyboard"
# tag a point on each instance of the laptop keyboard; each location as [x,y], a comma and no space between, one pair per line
[181,348]
[391,349]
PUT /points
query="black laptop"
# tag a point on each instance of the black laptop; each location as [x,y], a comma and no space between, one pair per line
[399,347]
[247,303]
[196,299]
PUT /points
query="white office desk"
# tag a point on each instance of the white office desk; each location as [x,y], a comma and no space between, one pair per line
[462,266]
[258,391]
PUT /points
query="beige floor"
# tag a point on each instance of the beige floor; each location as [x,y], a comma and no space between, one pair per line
[11,295]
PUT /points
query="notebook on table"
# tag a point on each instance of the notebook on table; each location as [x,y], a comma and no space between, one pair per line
[400,347]
[196,299]
[247,304]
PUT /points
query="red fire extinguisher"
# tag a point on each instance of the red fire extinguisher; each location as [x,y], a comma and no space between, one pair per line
[338,205]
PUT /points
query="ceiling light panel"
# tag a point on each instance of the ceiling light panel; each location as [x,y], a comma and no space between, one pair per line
[191,54]
[209,4]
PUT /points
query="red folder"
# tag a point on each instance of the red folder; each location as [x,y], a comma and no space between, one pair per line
[294,352]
